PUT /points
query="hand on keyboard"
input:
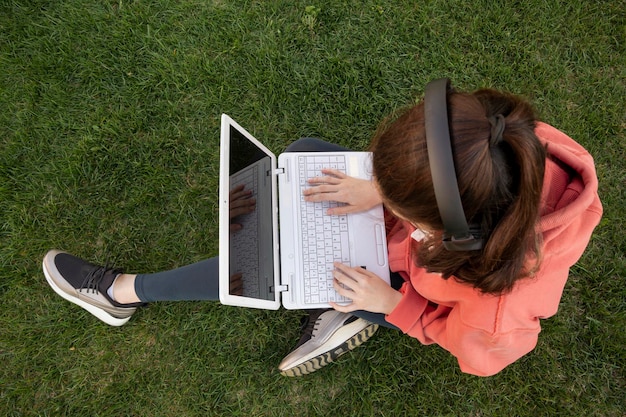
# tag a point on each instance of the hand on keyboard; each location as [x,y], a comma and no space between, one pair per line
[241,202]
[366,290]
[356,194]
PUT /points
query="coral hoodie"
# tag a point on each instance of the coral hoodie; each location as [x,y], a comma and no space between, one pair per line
[488,332]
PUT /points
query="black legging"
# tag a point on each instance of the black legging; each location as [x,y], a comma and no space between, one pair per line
[200,281]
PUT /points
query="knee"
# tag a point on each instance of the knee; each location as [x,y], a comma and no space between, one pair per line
[306,145]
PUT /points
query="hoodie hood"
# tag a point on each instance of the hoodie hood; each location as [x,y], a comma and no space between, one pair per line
[570,199]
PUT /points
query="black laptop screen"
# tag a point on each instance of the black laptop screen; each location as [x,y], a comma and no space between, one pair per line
[251,233]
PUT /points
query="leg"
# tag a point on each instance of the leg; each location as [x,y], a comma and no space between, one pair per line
[195,282]
[313,145]
[113,296]
[375,318]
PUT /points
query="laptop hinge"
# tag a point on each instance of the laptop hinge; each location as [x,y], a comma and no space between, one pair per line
[277,171]
[280,288]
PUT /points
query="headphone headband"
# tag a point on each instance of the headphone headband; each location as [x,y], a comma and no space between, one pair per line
[457,235]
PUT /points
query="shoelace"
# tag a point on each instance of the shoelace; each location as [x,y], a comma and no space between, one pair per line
[309,326]
[94,278]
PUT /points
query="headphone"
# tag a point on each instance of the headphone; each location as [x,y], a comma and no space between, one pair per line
[458,235]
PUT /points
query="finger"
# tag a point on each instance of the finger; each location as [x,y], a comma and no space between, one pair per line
[354,272]
[324,180]
[344,279]
[237,188]
[364,273]
[360,270]
[334,173]
[235,227]
[348,308]
[240,211]
[239,195]
[321,197]
[341,210]
[341,287]
[348,271]
[320,189]
[343,290]
[242,203]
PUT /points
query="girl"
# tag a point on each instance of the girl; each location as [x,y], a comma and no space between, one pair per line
[528,193]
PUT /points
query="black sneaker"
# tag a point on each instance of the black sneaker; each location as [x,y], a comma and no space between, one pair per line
[86,285]
[326,335]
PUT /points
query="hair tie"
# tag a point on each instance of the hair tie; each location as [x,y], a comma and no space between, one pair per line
[497,128]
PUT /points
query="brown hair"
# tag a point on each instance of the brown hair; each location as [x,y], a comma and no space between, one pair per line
[499,183]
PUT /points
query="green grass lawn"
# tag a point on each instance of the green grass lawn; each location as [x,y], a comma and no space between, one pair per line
[109,137]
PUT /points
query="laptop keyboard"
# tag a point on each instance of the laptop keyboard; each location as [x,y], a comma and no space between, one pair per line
[324,237]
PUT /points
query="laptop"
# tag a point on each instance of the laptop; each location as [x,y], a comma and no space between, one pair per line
[284,252]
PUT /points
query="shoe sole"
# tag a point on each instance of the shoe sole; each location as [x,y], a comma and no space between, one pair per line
[324,359]
[96,311]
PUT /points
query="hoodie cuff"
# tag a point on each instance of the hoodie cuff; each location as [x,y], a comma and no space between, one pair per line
[408,313]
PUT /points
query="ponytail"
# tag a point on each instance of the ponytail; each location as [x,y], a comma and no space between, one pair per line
[512,241]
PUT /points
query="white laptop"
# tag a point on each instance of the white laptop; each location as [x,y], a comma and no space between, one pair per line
[285,250]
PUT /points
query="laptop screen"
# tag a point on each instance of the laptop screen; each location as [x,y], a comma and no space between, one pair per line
[251,262]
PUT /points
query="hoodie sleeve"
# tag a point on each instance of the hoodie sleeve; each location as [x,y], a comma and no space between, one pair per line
[470,328]
[454,316]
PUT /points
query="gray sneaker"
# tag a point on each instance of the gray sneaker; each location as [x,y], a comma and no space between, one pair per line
[326,335]
[86,285]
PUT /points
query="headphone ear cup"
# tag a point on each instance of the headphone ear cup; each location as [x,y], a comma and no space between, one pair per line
[473,241]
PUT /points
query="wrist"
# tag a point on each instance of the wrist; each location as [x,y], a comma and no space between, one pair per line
[376,197]
[392,301]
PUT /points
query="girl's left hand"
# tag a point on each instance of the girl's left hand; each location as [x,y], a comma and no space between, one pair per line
[357,194]
[366,290]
